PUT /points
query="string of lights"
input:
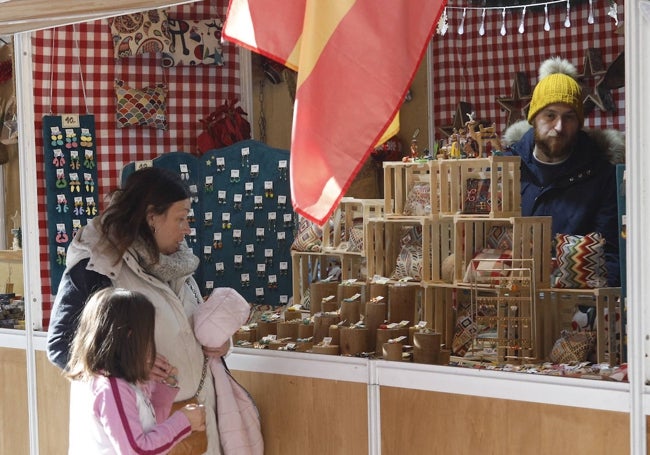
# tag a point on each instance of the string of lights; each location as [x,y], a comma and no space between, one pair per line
[443,24]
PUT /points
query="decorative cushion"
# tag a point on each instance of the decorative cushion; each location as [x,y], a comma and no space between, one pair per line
[409,259]
[141,107]
[573,347]
[477,196]
[464,334]
[355,237]
[309,236]
[194,43]
[487,265]
[139,33]
[418,200]
[499,237]
[580,261]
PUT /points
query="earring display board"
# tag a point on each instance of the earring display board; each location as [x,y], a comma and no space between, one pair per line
[242,221]
[70,176]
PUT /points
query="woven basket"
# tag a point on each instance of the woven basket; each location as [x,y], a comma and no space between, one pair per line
[573,347]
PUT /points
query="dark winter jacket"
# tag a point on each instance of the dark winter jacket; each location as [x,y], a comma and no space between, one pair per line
[581,198]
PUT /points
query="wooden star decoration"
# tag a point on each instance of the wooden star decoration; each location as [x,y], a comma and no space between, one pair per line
[593,69]
[614,78]
[463,111]
[517,104]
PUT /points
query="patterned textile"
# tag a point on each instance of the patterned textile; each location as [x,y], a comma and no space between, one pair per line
[409,263]
[355,236]
[309,236]
[143,107]
[487,265]
[418,200]
[499,237]
[477,196]
[139,33]
[573,347]
[409,259]
[580,261]
[194,43]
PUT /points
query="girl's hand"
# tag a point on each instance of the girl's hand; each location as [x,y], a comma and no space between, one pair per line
[161,369]
[217,352]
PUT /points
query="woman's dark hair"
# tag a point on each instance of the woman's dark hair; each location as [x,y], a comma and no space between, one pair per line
[115,337]
[148,190]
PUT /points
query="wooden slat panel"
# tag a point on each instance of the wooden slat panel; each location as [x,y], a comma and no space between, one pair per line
[14,420]
[309,416]
[415,421]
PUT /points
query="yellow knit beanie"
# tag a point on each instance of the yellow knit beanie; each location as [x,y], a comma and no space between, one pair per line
[557,84]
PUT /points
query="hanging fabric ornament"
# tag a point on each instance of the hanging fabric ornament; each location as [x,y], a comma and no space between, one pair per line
[567,20]
[613,11]
[590,19]
[547,25]
[443,25]
[461,27]
[503,22]
[523,18]
[481,30]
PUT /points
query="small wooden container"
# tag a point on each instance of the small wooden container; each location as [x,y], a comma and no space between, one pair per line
[351,311]
[401,306]
[392,351]
[335,334]
[244,335]
[318,291]
[322,323]
[288,330]
[426,347]
[265,328]
[376,313]
[330,306]
[305,330]
[353,340]
[383,335]
[292,314]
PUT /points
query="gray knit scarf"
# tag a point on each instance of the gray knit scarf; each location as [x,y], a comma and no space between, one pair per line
[169,266]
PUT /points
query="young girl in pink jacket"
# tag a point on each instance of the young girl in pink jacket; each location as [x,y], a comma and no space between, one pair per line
[114,407]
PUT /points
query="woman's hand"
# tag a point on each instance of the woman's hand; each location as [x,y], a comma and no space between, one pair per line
[195,413]
[161,369]
[217,352]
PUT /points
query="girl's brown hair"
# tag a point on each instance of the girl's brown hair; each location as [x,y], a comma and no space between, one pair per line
[115,337]
[149,190]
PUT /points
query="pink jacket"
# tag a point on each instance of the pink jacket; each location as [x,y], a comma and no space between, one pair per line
[238,420]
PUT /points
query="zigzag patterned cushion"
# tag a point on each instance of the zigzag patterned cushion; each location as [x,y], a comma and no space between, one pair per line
[580,261]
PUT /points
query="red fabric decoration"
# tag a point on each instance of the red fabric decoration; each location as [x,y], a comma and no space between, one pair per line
[223,127]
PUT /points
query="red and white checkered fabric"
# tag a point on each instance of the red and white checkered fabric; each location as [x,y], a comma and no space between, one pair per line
[479,69]
[194,92]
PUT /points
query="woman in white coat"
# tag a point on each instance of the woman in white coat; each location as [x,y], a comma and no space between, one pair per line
[138,243]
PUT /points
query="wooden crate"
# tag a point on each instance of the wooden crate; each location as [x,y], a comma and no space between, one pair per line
[438,245]
[531,239]
[311,266]
[399,178]
[383,244]
[338,234]
[610,333]
[504,185]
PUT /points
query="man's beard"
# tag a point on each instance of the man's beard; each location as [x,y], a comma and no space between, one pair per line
[553,148]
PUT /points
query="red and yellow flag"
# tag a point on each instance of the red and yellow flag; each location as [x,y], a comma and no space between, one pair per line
[355,60]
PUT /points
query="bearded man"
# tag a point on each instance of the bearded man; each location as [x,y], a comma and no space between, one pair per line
[568,172]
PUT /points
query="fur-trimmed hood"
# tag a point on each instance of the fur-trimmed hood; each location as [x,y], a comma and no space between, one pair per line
[610,142]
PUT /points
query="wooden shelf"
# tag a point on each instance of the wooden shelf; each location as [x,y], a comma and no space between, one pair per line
[11,255]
